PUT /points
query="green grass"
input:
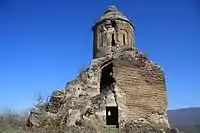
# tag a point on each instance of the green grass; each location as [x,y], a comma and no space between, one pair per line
[12,122]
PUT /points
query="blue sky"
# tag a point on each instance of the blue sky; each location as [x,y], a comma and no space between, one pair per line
[44,43]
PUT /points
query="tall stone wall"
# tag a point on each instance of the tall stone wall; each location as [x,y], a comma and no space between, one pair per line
[144,85]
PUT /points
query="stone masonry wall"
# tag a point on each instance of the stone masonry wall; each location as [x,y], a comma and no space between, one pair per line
[123,35]
[140,93]
[144,85]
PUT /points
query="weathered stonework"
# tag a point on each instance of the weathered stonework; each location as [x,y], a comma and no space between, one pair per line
[111,31]
[119,76]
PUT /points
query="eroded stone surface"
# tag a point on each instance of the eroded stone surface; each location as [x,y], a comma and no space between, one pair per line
[120,76]
[139,91]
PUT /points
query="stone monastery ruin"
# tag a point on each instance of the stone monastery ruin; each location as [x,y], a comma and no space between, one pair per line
[120,86]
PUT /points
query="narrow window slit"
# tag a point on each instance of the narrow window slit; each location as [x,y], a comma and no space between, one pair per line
[113,23]
[113,39]
[124,41]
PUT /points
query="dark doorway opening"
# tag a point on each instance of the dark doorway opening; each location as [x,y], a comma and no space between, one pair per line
[112,116]
[106,78]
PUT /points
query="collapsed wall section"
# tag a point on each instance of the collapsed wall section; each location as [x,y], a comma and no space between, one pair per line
[139,92]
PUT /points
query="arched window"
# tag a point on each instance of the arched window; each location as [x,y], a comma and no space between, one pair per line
[123,36]
[109,113]
[113,23]
[124,39]
[113,39]
[101,40]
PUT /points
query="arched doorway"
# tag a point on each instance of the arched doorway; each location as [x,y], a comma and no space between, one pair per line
[107,79]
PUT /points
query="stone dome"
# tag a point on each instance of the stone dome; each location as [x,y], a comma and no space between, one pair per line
[113,13]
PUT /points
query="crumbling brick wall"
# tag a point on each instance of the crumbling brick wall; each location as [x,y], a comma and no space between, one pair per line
[138,92]
[144,85]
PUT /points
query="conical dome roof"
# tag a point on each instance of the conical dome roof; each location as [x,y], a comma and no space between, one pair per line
[113,13]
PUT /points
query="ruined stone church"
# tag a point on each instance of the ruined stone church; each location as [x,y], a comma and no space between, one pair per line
[120,86]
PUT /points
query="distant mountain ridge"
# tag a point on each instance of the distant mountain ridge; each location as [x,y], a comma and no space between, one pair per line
[185,119]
